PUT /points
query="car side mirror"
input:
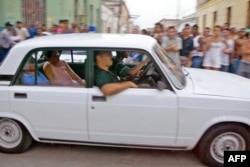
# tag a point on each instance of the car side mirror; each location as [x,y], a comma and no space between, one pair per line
[161,85]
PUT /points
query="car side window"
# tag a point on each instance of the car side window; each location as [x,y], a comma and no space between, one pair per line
[131,65]
[31,73]
[73,56]
[53,68]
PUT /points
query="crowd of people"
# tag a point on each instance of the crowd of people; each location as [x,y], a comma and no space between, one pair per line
[13,34]
[218,48]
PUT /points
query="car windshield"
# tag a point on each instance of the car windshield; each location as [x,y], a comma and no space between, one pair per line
[176,74]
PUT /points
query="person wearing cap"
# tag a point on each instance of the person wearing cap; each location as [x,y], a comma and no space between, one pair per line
[105,79]
[5,41]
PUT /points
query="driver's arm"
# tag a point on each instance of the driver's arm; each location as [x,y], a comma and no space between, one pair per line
[136,70]
[114,88]
[110,84]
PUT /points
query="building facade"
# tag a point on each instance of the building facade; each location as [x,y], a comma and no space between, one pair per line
[217,12]
[109,20]
[10,11]
[179,24]
[190,19]
[169,22]
[83,12]
[115,16]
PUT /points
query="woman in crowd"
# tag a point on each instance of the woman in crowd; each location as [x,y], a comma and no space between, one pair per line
[213,49]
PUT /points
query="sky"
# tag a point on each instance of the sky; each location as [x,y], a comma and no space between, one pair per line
[147,12]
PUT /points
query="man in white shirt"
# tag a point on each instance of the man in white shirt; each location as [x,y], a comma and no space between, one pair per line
[227,55]
[5,41]
[172,45]
[22,31]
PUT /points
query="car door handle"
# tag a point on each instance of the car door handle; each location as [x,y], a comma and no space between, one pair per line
[20,95]
[98,98]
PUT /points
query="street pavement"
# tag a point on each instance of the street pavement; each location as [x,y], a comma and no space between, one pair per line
[57,155]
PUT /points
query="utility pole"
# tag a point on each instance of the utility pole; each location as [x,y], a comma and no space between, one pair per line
[119,16]
[178,14]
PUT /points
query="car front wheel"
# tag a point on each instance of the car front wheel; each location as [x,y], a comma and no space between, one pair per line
[14,138]
[222,138]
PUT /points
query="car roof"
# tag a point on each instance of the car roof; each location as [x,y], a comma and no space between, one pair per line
[91,40]
[87,40]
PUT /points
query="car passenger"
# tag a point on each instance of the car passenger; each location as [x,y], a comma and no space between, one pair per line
[124,71]
[59,72]
[106,80]
[32,77]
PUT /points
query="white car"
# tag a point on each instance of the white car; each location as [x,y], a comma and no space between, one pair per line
[181,109]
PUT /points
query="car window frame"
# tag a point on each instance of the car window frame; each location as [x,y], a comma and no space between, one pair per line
[174,79]
[165,79]
[25,58]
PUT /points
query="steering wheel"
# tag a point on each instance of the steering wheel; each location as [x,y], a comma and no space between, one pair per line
[147,71]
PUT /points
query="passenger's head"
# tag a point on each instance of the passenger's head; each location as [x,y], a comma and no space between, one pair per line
[123,54]
[103,58]
[52,56]
[30,65]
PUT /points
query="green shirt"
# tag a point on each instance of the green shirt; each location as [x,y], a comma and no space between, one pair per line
[119,68]
[103,77]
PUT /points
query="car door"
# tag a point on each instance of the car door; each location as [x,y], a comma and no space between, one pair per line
[134,116]
[54,112]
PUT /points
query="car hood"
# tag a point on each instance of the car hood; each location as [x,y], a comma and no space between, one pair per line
[216,83]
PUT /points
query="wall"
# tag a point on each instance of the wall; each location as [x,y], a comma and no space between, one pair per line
[10,11]
[94,16]
[238,18]
[108,20]
[59,9]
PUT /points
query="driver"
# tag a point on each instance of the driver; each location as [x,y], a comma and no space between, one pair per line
[109,82]
[123,71]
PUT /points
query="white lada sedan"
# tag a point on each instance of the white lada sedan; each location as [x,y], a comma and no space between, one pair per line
[178,109]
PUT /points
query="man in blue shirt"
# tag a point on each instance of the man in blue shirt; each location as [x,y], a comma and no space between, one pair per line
[5,41]
[187,48]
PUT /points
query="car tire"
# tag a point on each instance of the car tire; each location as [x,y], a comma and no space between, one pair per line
[14,137]
[219,139]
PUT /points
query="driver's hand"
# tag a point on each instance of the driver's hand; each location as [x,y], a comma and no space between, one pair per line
[133,85]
